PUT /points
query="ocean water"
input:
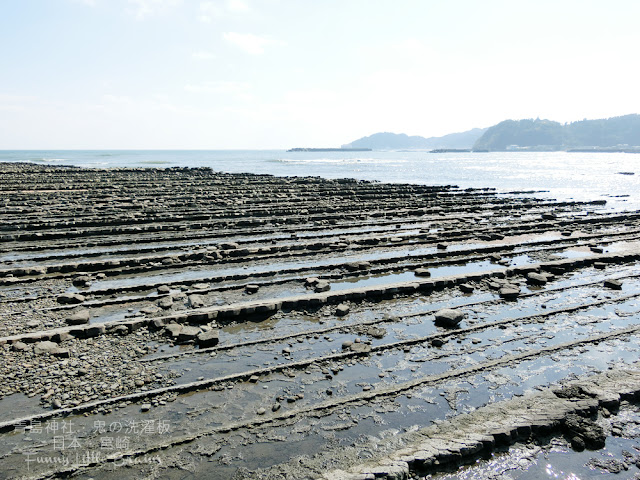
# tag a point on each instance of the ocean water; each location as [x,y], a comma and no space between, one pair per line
[614,177]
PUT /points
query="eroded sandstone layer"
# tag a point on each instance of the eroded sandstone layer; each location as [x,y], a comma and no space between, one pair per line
[183,323]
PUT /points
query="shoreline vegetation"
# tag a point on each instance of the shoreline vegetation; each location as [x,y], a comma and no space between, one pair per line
[251,320]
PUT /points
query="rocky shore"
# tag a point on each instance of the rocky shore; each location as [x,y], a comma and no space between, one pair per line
[184,323]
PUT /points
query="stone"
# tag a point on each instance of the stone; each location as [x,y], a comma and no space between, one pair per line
[466,288]
[145,407]
[577,443]
[311,281]
[422,272]
[196,301]
[589,431]
[613,284]
[509,293]
[360,348]
[322,286]
[45,347]
[70,298]
[376,332]
[82,281]
[209,338]
[78,317]
[342,310]
[164,290]
[448,317]
[538,279]
[251,289]
[166,302]
[173,329]
[599,265]
[19,347]
[188,334]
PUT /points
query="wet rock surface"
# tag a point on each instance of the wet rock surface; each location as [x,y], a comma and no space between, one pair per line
[263,327]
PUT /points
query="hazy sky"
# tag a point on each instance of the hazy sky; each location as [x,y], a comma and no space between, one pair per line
[283,73]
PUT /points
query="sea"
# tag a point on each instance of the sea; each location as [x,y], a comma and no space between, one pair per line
[566,176]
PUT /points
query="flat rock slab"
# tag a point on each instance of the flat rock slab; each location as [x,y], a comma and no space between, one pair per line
[422,272]
[79,317]
[70,299]
[534,278]
[210,338]
[613,284]
[509,293]
[448,317]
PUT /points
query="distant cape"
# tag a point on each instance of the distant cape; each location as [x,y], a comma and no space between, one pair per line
[401,141]
[609,134]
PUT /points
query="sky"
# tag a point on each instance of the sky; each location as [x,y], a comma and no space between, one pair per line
[262,74]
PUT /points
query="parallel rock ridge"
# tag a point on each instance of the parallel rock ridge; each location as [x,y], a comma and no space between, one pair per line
[251,309]
[464,437]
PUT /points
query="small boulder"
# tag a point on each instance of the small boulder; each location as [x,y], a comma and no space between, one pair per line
[509,293]
[79,317]
[82,281]
[164,290]
[251,289]
[449,317]
[311,282]
[466,288]
[166,302]
[538,279]
[196,301]
[70,299]
[45,347]
[422,272]
[210,338]
[322,286]
[376,332]
[188,334]
[19,347]
[342,310]
[173,329]
[360,348]
[613,284]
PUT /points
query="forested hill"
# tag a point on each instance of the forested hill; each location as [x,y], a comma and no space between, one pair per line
[545,134]
[397,141]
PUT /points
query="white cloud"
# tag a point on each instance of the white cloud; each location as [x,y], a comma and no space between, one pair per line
[212,10]
[145,8]
[237,6]
[249,43]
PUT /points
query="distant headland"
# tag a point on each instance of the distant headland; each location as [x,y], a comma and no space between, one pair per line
[616,134]
[305,149]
